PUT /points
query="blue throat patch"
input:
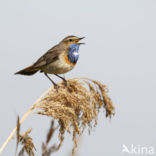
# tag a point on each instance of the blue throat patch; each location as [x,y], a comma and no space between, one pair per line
[73,54]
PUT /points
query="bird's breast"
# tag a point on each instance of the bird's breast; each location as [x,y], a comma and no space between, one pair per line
[70,60]
[60,66]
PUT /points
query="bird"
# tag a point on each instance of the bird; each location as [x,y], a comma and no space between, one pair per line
[60,59]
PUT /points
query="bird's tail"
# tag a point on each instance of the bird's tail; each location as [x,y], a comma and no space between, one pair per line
[28,71]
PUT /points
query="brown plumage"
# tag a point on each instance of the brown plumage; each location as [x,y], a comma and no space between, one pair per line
[28,71]
[50,56]
[54,60]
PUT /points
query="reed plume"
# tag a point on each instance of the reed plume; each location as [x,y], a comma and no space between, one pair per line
[25,140]
[75,107]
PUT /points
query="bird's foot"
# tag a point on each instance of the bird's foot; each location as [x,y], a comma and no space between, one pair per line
[56,87]
[65,82]
[63,78]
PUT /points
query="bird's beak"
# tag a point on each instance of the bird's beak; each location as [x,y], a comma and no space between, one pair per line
[81,43]
[81,39]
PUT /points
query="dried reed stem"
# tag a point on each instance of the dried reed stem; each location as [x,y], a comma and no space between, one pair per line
[75,107]
[21,121]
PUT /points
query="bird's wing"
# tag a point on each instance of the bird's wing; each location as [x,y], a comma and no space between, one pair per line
[50,56]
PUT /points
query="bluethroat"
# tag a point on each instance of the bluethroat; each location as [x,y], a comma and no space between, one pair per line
[59,59]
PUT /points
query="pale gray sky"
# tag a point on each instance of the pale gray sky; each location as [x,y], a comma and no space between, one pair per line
[120,51]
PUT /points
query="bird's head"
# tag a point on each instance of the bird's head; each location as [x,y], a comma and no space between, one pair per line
[72,40]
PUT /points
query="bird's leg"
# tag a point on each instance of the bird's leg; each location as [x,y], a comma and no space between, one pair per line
[65,81]
[55,85]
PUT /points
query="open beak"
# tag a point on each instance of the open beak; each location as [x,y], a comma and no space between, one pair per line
[81,39]
[81,43]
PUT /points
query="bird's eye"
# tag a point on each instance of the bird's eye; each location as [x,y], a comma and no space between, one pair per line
[70,40]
